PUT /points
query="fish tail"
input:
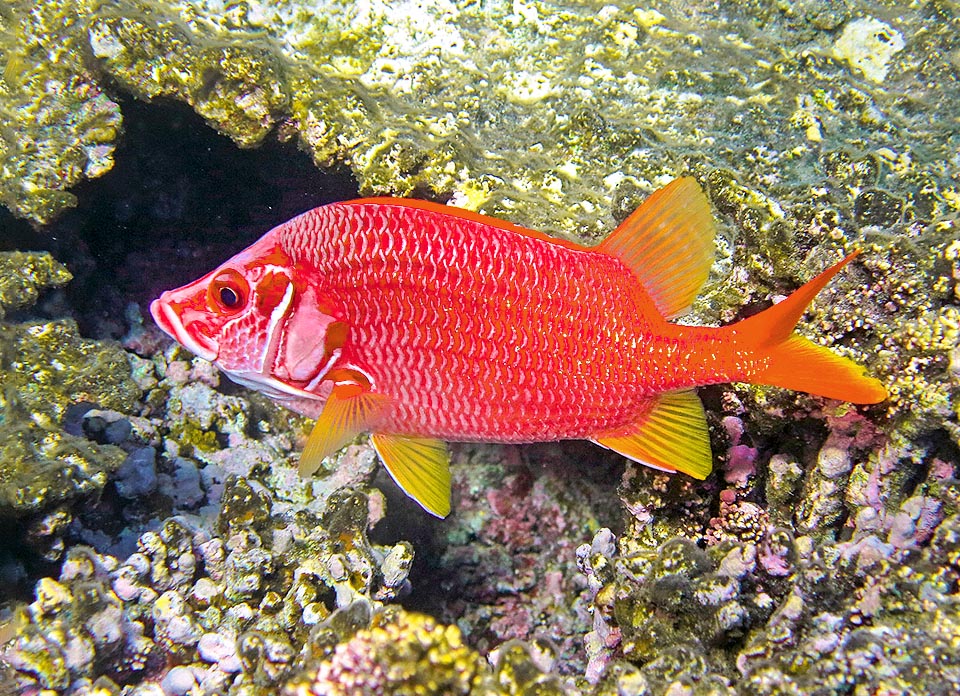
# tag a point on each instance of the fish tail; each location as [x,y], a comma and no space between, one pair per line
[791,361]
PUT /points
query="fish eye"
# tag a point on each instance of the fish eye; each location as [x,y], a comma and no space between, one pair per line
[228,292]
[229,297]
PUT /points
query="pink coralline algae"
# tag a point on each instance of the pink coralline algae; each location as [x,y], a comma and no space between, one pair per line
[507,564]
[741,460]
[915,522]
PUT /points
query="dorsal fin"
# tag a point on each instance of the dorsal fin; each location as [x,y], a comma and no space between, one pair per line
[668,243]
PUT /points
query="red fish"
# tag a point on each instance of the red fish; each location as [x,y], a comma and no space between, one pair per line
[422,323]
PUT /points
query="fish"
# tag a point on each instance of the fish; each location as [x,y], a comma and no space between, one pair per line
[424,324]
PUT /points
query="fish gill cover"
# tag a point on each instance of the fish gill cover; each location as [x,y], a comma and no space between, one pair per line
[823,552]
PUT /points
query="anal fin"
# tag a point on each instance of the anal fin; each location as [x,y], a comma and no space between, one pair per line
[348,412]
[420,466]
[672,436]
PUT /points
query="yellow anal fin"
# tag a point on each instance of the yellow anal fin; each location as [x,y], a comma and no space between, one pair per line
[420,466]
[348,412]
[672,436]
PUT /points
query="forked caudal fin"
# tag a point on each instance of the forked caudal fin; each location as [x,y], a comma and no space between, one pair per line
[794,362]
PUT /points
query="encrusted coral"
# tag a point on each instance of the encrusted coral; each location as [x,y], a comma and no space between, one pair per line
[57,126]
[45,368]
[505,562]
[400,654]
[23,275]
[241,603]
[236,86]
[820,618]
[764,609]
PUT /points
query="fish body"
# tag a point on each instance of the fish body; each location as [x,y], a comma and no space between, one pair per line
[477,332]
[423,324]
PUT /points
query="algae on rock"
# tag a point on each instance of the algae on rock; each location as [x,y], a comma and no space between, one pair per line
[809,140]
[57,126]
[23,275]
[237,86]
[44,368]
[557,116]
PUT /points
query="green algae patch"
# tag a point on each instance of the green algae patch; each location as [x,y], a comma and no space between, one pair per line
[57,126]
[45,367]
[235,86]
[50,366]
[24,275]
[40,467]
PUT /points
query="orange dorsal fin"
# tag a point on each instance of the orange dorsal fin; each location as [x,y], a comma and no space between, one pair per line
[668,243]
[348,412]
[794,362]
[671,436]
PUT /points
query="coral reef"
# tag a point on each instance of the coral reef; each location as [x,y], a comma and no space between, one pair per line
[822,557]
[504,565]
[23,276]
[57,126]
[801,580]
[237,88]
[411,654]
[46,368]
[236,606]
[560,118]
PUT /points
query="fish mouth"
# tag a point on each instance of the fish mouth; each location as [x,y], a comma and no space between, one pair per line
[168,320]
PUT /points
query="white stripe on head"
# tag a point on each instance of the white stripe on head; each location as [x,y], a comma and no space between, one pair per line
[272,344]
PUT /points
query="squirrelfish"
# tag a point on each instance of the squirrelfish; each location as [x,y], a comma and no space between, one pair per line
[423,323]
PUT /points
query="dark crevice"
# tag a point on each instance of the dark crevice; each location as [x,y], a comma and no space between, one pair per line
[180,200]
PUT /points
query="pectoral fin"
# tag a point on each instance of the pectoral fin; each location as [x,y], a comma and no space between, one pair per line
[672,436]
[348,412]
[420,466]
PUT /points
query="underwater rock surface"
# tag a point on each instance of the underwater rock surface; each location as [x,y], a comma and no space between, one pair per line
[45,369]
[157,514]
[57,126]
[826,129]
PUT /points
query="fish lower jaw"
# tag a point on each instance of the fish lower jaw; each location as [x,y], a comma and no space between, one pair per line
[284,394]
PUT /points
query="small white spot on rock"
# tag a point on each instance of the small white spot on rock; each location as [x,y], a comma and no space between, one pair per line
[868,45]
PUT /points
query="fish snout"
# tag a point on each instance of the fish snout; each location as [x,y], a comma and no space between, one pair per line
[168,315]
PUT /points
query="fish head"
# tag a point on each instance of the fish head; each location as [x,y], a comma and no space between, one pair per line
[259,322]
